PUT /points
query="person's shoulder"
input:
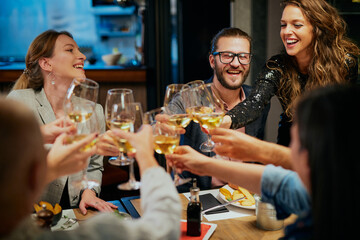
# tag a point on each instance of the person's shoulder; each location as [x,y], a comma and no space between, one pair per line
[99,106]
[21,94]
[277,61]
[99,111]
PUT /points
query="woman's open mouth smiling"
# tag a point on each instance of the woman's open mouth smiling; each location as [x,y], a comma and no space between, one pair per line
[290,42]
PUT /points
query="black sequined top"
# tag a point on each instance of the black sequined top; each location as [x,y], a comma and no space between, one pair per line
[266,87]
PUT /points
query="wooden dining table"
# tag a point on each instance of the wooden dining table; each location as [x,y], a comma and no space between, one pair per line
[234,228]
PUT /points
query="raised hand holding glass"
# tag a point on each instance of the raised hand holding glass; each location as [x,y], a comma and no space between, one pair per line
[166,137]
[79,106]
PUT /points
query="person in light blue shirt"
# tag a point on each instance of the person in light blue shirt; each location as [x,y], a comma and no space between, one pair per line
[324,161]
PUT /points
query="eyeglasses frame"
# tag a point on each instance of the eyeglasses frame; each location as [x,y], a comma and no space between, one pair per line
[234,55]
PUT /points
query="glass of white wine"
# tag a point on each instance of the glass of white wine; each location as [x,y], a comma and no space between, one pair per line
[122,96]
[166,137]
[205,108]
[177,114]
[79,106]
[127,118]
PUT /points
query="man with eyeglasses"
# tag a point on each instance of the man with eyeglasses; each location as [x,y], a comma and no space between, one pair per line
[230,58]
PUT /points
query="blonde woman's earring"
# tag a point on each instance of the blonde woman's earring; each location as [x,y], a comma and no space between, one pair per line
[52,78]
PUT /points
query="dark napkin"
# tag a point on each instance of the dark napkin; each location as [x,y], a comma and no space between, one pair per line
[209,201]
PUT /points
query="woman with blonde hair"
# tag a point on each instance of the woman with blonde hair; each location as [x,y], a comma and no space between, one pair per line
[52,62]
[317,53]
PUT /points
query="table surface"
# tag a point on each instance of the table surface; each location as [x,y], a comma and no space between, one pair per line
[235,228]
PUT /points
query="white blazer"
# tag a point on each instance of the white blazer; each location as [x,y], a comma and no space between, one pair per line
[39,104]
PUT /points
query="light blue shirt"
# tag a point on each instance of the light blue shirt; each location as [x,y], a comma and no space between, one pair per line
[284,189]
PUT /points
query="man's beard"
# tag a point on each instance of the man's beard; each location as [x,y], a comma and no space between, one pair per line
[225,84]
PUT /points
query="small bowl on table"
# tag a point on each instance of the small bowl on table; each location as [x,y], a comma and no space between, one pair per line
[111,59]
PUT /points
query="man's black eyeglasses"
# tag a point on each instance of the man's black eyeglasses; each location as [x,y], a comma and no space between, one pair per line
[228,57]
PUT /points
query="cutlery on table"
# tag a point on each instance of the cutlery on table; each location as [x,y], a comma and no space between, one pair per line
[221,205]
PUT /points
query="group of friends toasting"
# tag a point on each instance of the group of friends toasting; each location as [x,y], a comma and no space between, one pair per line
[308,172]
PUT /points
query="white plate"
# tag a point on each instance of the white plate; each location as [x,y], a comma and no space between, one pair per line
[236,204]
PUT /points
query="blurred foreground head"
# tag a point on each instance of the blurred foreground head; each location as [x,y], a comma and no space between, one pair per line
[22,162]
[328,123]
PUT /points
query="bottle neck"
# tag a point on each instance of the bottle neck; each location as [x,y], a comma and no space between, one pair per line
[194,197]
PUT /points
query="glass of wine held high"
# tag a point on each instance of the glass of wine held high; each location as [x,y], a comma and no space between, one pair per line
[127,118]
[173,107]
[205,108]
[121,96]
[79,106]
[166,137]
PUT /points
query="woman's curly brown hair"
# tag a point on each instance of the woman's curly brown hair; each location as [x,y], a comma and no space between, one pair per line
[331,51]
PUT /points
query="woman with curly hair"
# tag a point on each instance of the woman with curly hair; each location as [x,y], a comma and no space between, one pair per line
[317,53]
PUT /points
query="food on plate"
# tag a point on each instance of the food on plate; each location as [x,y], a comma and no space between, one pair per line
[56,210]
[246,202]
[247,194]
[237,194]
[226,193]
[48,206]
[240,192]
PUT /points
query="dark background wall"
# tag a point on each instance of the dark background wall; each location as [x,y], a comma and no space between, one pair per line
[198,22]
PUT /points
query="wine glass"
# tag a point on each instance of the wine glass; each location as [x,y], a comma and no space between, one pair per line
[79,106]
[206,109]
[177,115]
[117,96]
[166,138]
[120,115]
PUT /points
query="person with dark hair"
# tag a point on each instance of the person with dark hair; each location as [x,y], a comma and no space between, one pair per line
[317,53]
[25,171]
[230,59]
[324,156]
[52,62]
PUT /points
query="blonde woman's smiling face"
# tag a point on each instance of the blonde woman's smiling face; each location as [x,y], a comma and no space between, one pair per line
[67,61]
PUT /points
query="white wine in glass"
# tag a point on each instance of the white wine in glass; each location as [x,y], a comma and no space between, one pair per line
[135,111]
[180,120]
[177,117]
[79,106]
[166,138]
[122,118]
[206,109]
[165,144]
[117,96]
[123,145]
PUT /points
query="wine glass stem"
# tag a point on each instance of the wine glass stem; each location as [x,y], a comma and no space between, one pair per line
[209,141]
[122,156]
[84,174]
[176,176]
[131,172]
